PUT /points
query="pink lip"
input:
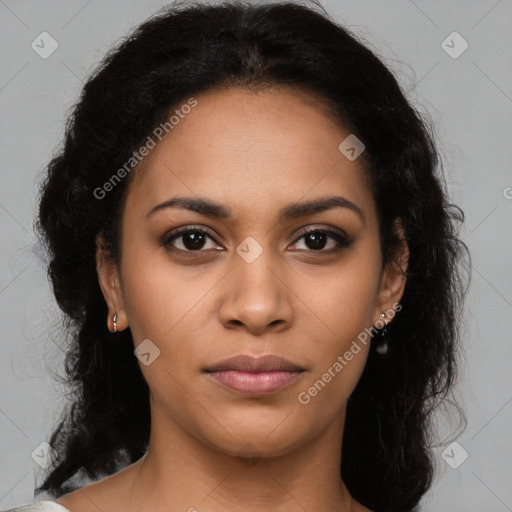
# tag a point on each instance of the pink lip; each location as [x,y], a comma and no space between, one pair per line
[255,383]
[248,363]
[254,376]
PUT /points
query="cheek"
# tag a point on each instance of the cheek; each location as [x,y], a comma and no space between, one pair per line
[344,305]
[165,305]
[341,351]
[158,310]
[153,291]
[341,299]
[146,300]
[324,395]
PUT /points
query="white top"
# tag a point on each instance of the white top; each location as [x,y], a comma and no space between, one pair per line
[40,506]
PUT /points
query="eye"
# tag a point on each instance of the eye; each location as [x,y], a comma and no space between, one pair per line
[193,239]
[316,239]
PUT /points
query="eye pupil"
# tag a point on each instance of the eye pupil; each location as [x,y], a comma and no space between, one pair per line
[193,240]
[318,240]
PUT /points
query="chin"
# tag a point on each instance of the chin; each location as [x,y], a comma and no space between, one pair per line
[256,440]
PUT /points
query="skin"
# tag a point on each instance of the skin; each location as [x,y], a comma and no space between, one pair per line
[254,152]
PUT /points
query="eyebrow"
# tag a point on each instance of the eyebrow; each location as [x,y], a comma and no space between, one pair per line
[295,210]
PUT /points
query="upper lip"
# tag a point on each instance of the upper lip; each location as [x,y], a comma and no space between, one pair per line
[246,363]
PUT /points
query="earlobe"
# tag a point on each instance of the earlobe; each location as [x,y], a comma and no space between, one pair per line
[109,281]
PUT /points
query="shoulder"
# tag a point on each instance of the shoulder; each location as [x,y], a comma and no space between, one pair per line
[105,494]
[108,493]
[40,506]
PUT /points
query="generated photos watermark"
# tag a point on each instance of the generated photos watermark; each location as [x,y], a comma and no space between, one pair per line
[137,156]
[304,397]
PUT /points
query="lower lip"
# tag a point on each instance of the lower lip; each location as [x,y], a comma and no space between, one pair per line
[255,384]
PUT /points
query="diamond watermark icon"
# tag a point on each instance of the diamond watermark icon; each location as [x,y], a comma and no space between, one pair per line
[351,147]
[44,45]
[146,352]
[454,455]
[249,249]
[454,45]
[44,455]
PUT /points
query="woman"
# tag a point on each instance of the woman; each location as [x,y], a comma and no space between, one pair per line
[250,236]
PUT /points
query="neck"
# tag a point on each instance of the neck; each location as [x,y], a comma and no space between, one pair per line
[182,471]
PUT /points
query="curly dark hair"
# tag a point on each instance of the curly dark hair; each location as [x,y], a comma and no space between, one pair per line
[189,48]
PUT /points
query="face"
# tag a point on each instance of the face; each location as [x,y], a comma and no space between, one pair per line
[252,275]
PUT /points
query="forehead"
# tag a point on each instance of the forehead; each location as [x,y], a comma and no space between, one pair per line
[248,148]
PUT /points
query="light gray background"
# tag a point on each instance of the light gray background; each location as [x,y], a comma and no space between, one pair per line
[469,99]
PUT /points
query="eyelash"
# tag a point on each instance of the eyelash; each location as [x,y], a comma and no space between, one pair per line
[343,241]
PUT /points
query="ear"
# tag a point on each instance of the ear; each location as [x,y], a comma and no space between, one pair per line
[110,284]
[392,284]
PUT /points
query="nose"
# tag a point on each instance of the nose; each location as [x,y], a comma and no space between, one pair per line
[255,296]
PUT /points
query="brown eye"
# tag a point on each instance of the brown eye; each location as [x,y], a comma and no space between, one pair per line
[316,239]
[190,239]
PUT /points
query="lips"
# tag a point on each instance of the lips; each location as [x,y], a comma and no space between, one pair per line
[255,376]
[245,363]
